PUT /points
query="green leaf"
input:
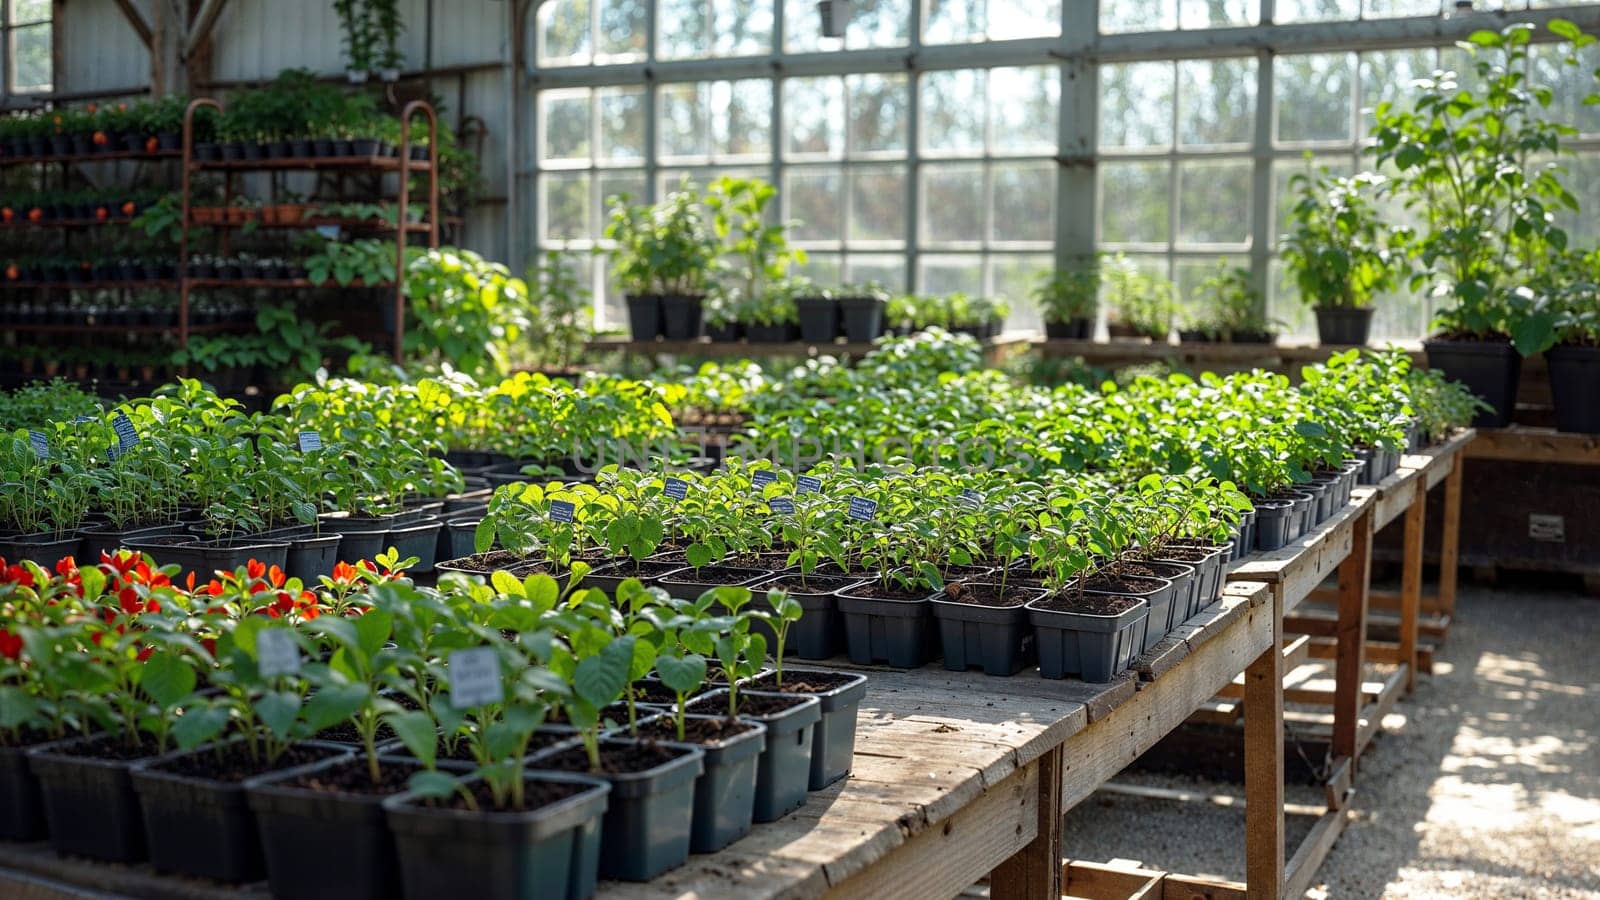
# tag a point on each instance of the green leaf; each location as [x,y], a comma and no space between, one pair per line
[166,678]
[600,679]
[682,674]
[416,730]
[16,707]
[437,785]
[506,583]
[278,710]
[373,629]
[198,725]
[334,704]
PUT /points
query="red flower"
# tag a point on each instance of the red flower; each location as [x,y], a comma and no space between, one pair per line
[276,576]
[344,573]
[255,568]
[211,646]
[10,644]
[145,653]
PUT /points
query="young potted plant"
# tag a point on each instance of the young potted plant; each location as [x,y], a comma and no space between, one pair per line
[1338,251]
[664,258]
[1067,300]
[1142,304]
[758,265]
[862,311]
[1481,233]
[1229,307]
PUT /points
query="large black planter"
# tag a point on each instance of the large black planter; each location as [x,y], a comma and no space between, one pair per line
[819,319]
[681,316]
[1575,387]
[861,318]
[525,855]
[781,333]
[1489,369]
[205,557]
[1070,330]
[89,803]
[998,639]
[21,808]
[44,549]
[311,557]
[644,316]
[201,827]
[1343,324]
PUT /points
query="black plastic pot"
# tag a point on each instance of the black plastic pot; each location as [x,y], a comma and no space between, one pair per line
[89,803]
[200,827]
[998,639]
[644,316]
[1070,330]
[1274,519]
[681,316]
[647,825]
[833,742]
[819,634]
[1304,503]
[729,576]
[419,539]
[1094,648]
[44,549]
[781,333]
[783,771]
[21,808]
[609,577]
[205,557]
[1489,369]
[819,319]
[1575,387]
[895,632]
[725,793]
[1343,324]
[457,538]
[1208,581]
[311,557]
[298,826]
[1323,491]
[725,332]
[1168,608]
[528,855]
[861,318]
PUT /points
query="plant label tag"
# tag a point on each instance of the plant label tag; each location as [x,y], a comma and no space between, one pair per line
[677,488]
[309,441]
[127,435]
[971,499]
[331,232]
[276,652]
[863,509]
[475,678]
[113,453]
[781,505]
[808,485]
[41,444]
[79,420]
[562,511]
[760,478]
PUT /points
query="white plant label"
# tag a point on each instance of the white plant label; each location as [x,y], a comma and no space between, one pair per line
[309,441]
[277,653]
[475,678]
[781,505]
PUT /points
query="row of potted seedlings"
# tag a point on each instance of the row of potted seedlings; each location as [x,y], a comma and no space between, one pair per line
[518,738]
[46,207]
[149,126]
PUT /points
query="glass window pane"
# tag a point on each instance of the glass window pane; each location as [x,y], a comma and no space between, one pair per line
[616,183]
[879,107]
[1386,77]
[1378,9]
[742,27]
[1024,106]
[1014,276]
[1216,13]
[822,268]
[1214,202]
[952,21]
[889,271]
[952,117]
[564,206]
[565,31]
[1133,202]
[566,124]
[882,23]
[1315,10]
[1188,272]
[950,274]
[743,123]
[813,112]
[1583,179]
[623,24]
[1216,101]
[813,199]
[1284,198]
[1569,84]
[1138,15]
[1314,96]
[30,58]
[1136,105]
[681,127]
[621,123]
[952,203]
[1293,318]
[683,29]
[878,204]
[1024,201]
[1015,19]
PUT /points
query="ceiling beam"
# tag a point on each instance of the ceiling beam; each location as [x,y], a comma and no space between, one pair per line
[136,19]
[204,21]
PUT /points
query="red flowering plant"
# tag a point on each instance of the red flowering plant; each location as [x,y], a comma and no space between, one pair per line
[342,593]
[33,706]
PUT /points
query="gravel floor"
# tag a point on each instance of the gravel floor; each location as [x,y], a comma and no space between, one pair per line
[1487,783]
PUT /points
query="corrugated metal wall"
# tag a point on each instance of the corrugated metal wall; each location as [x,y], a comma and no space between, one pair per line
[256,39]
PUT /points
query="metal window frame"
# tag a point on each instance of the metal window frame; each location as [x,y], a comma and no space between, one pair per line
[1078,50]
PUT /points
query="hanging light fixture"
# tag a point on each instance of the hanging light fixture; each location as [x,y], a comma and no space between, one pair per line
[835,16]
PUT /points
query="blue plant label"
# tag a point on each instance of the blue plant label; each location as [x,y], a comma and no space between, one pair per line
[781,506]
[331,232]
[863,509]
[676,488]
[309,441]
[127,435]
[276,652]
[79,420]
[971,499]
[113,453]
[475,678]
[562,511]
[41,444]
[760,478]
[808,485]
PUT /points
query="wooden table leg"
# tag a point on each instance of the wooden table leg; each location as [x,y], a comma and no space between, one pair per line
[1263,764]
[1034,873]
[1351,632]
[1411,582]
[1450,538]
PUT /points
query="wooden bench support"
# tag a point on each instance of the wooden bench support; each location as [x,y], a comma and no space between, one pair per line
[1034,873]
[1354,575]
[1263,765]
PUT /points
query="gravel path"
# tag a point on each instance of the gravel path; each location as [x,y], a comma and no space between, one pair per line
[1487,784]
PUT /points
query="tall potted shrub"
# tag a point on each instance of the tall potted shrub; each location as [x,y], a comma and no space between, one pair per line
[1466,156]
[1066,300]
[663,257]
[1337,252]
